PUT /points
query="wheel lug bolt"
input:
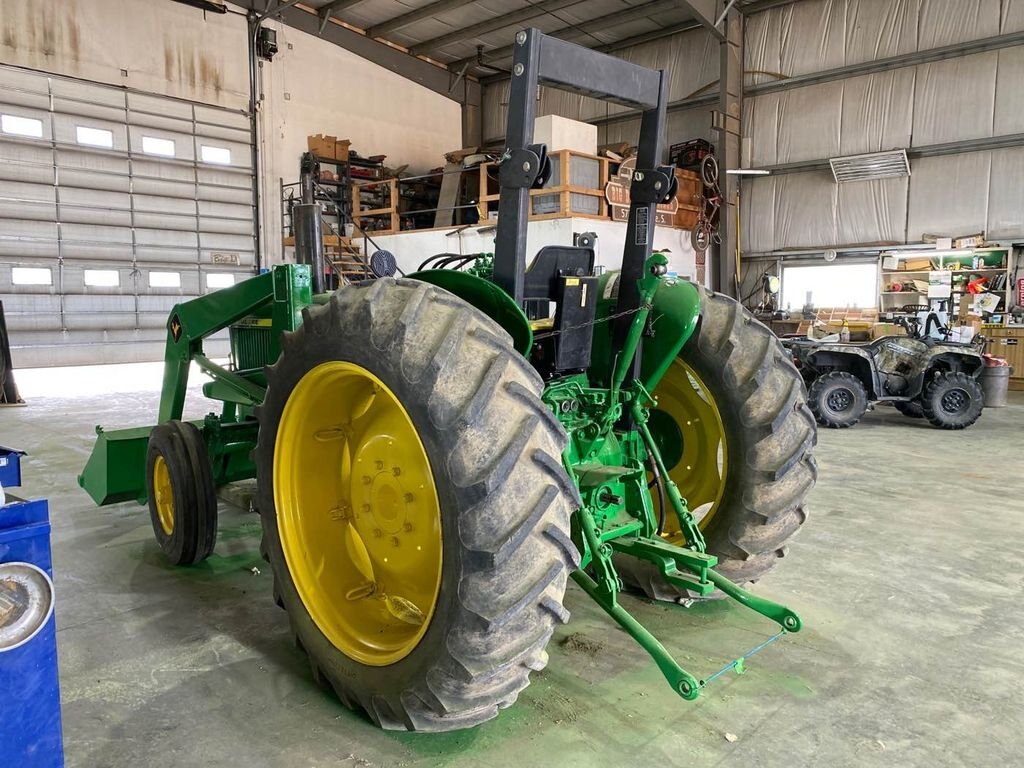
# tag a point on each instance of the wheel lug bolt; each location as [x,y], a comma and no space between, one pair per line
[408,527]
[379,464]
[394,541]
[408,498]
[377,533]
[367,479]
[367,508]
[396,471]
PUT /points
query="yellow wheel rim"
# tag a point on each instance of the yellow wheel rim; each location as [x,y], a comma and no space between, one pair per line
[702,466]
[164,495]
[357,513]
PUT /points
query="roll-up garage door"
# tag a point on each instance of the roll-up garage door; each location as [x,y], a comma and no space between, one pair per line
[114,206]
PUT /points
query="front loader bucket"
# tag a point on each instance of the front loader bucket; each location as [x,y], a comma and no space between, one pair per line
[116,470]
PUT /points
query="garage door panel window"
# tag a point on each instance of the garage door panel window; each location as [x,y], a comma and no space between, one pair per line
[101,278]
[152,145]
[16,125]
[165,280]
[94,137]
[830,285]
[31,276]
[215,155]
[215,280]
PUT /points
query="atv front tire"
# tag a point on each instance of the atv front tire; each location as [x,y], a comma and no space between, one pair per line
[952,400]
[838,399]
[764,465]
[415,507]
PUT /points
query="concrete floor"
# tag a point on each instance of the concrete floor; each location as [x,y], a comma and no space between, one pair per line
[908,576]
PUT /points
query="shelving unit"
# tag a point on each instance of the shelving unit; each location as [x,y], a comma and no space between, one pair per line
[996,264]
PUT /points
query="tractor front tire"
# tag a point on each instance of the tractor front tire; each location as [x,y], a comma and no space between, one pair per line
[182,496]
[768,434]
[462,457]
[952,400]
[838,400]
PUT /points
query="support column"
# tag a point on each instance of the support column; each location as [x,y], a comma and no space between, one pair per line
[727,123]
[472,126]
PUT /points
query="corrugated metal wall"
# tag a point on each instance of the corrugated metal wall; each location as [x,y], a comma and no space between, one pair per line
[116,235]
[964,100]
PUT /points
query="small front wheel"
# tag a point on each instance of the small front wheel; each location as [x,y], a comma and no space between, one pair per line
[838,399]
[182,496]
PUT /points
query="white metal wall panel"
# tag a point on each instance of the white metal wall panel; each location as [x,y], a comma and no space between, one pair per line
[949,195]
[800,136]
[872,212]
[1009,92]
[945,22]
[1006,194]
[877,112]
[955,99]
[77,209]
[1012,17]
[805,209]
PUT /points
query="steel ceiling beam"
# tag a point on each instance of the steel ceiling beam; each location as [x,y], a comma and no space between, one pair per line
[426,12]
[708,13]
[575,32]
[491,25]
[431,76]
[757,6]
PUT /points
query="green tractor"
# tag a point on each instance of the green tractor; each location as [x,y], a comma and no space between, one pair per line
[437,454]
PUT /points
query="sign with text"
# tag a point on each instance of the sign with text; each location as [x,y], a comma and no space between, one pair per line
[616,192]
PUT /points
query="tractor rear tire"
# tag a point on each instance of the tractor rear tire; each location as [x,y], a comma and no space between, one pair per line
[910,408]
[952,400]
[769,435]
[182,496]
[838,400]
[503,502]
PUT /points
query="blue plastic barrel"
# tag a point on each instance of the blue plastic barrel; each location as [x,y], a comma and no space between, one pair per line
[30,727]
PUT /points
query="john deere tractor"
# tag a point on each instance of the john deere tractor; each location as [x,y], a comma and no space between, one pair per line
[437,454]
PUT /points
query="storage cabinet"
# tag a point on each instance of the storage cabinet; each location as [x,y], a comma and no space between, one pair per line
[1008,342]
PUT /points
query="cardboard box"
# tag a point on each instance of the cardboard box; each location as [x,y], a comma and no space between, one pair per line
[917,264]
[879,330]
[328,147]
[323,146]
[970,241]
[341,150]
[563,133]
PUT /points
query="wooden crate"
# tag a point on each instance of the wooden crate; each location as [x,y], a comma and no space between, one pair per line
[565,198]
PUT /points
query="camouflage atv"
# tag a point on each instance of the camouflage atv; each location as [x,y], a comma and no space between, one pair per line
[921,377]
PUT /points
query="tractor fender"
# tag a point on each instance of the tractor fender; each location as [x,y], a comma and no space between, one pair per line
[674,317]
[488,298]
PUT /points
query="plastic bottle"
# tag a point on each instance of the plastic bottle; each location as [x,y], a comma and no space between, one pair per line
[844,332]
